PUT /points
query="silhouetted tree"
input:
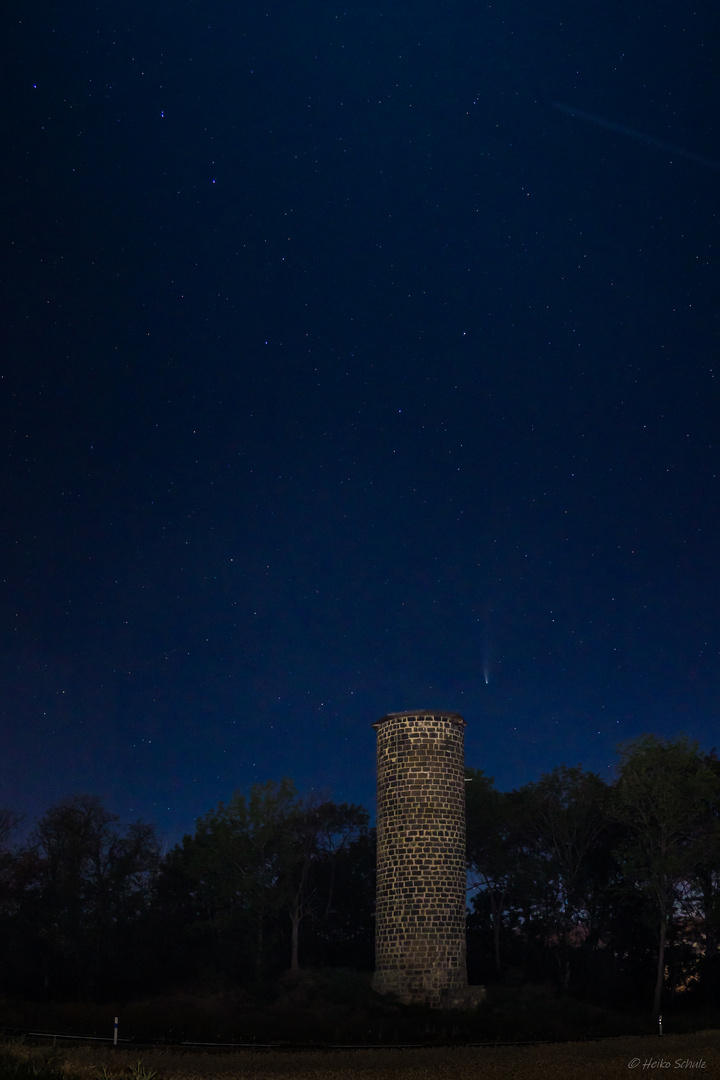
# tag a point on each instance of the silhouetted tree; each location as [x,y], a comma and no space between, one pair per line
[318,836]
[565,815]
[493,850]
[8,823]
[235,866]
[707,878]
[663,795]
[342,929]
[86,880]
[10,893]
[257,863]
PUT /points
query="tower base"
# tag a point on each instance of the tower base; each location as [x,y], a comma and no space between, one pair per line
[423,989]
[468,998]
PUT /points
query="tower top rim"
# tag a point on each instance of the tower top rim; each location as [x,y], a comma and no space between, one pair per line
[453,717]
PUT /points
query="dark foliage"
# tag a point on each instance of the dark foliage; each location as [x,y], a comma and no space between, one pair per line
[569,890]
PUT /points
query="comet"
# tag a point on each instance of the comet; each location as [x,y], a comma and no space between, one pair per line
[639,136]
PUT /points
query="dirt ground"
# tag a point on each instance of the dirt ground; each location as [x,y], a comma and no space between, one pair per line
[603,1060]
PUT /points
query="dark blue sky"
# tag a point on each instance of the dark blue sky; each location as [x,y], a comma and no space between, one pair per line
[343,373]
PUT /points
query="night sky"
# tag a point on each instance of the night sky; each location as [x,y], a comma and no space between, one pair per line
[355,358]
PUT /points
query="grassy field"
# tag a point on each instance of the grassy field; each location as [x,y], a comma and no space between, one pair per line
[326,1007]
[602,1060]
[339,1008]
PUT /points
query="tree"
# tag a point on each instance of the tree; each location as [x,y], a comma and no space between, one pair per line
[707,874]
[235,864]
[10,891]
[87,881]
[566,814]
[491,848]
[8,822]
[319,835]
[663,795]
[342,928]
[260,861]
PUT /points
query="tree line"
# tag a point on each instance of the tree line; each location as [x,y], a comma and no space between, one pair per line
[91,910]
[608,891]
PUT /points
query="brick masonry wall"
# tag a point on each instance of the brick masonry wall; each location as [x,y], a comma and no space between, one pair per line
[420,911]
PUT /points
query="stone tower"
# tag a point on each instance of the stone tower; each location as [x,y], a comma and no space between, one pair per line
[421,898]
